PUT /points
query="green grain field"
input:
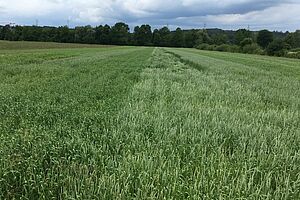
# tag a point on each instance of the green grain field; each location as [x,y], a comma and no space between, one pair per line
[147,123]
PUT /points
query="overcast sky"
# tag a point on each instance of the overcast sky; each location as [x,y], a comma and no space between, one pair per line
[227,14]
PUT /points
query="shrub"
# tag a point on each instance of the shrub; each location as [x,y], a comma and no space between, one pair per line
[295,50]
[205,46]
[211,47]
[202,46]
[222,47]
[277,48]
[252,49]
[227,48]
[246,41]
[234,49]
[293,55]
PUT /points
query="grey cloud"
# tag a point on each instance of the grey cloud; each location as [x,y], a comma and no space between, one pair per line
[184,13]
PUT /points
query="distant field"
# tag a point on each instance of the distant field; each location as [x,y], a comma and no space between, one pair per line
[17,45]
[148,123]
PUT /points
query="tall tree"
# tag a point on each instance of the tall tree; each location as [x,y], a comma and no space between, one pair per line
[203,37]
[242,34]
[293,39]
[102,34]
[277,48]
[146,30]
[143,35]
[264,38]
[219,38]
[31,33]
[165,36]
[84,34]
[190,38]
[120,34]
[65,35]
[178,38]
[156,39]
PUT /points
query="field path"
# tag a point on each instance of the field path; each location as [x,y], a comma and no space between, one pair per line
[191,130]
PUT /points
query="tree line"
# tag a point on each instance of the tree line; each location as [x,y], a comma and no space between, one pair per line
[242,40]
[261,42]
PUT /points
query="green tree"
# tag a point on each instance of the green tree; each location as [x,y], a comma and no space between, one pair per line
[120,34]
[143,35]
[190,38]
[102,34]
[65,35]
[31,33]
[264,38]
[156,39]
[246,41]
[51,34]
[219,38]
[293,39]
[203,37]
[165,36]
[178,38]
[84,34]
[277,48]
[16,33]
[242,34]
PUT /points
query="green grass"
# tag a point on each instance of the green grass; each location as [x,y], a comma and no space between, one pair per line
[17,45]
[144,123]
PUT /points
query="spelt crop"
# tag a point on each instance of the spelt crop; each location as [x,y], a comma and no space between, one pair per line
[144,123]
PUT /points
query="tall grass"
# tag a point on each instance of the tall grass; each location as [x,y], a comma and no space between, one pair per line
[25,45]
[200,134]
[55,116]
[123,123]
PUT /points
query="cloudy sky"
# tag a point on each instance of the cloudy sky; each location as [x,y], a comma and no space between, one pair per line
[227,14]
